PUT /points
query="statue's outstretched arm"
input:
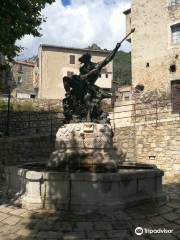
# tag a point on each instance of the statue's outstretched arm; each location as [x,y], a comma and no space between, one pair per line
[100,65]
[110,57]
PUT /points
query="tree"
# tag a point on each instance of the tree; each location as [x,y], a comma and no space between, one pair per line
[122,68]
[18,18]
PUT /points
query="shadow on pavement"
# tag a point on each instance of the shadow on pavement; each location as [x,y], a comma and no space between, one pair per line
[17,223]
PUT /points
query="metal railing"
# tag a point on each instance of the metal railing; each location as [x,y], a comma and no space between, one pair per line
[144,112]
[47,123]
[31,123]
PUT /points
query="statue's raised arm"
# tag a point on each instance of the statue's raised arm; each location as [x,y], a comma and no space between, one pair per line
[100,65]
[107,60]
[110,57]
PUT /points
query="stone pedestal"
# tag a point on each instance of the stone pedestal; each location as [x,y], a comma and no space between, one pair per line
[84,145]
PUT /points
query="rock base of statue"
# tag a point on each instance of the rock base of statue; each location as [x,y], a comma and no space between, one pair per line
[84,146]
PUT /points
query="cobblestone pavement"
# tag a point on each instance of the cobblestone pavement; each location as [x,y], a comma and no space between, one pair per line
[20,224]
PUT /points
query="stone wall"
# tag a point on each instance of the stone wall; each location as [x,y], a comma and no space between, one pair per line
[124,140]
[152,135]
[31,123]
[155,145]
[19,150]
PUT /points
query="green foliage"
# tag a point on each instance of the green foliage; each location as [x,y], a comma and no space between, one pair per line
[17,107]
[2,85]
[3,105]
[4,68]
[122,68]
[17,18]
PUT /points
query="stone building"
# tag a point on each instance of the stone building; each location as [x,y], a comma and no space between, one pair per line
[123,94]
[55,62]
[22,77]
[155,44]
[151,131]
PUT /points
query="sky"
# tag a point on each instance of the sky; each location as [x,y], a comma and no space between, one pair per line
[66,2]
[80,23]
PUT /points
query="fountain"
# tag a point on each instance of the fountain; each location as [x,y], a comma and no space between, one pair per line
[85,172]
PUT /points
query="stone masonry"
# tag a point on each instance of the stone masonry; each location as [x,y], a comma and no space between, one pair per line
[153,49]
[31,123]
[19,150]
[22,77]
[155,145]
[150,133]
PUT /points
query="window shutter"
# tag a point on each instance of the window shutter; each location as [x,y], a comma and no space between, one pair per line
[72,59]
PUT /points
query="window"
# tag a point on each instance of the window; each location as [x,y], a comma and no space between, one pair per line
[19,79]
[106,75]
[175,95]
[175,2]
[147,64]
[172,68]
[175,31]
[32,96]
[104,70]
[72,59]
[126,98]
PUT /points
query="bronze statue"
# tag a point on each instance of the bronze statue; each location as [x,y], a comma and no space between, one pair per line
[83,98]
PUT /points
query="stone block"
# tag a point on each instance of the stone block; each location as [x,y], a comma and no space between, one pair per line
[3,216]
[176,167]
[24,232]
[11,220]
[84,226]
[171,216]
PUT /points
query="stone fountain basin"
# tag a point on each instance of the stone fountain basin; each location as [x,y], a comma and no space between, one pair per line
[37,188]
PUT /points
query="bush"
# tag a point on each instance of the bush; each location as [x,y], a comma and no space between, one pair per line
[3,105]
[16,107]
[22,107]
[122,68]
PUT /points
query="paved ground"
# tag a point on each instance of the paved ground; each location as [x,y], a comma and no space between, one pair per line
[17,223]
